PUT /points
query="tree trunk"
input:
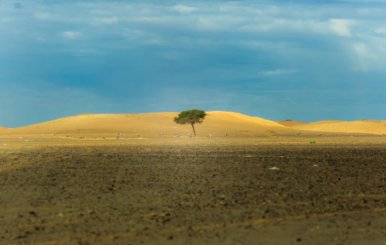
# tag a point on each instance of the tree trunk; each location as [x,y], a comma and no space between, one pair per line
[194,130]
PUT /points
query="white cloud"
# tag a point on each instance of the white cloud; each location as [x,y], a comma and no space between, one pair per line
[217,23]
[108,20]
[360,49]
[41,39]
[150,19]
[43,16]
[272,24]
[156,41]
[341,27]
[209,24]
[132,34]
[364,57]
[369,55]
[381,30]
[70,34]
[183,9]
[278,72]
[172,55]
[60,16]
[79,51]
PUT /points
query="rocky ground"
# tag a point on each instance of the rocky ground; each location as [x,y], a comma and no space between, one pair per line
[192,194]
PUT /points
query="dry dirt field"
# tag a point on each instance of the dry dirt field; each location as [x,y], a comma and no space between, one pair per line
[256,191]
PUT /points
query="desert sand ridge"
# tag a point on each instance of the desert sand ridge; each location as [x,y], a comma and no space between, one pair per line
[154,124]
[360,126]
[237,117]
[217,123]
[291,123]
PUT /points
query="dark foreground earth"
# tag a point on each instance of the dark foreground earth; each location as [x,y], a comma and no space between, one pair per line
[194,195]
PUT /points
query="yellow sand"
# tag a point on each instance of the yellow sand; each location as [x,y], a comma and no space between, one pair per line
[361,126]
[290,123]
[217,123]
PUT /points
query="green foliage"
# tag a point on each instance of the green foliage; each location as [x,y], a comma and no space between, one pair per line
[190,117]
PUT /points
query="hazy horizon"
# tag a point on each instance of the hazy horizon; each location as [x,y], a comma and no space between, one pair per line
[307,61]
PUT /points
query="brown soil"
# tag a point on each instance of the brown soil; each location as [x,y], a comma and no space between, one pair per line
[192,194]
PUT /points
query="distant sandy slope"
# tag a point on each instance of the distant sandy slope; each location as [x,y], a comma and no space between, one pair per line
[291,123]
[3,130]
[217,123]
[362,126]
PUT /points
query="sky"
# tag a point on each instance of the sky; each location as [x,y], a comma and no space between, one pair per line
[301,60]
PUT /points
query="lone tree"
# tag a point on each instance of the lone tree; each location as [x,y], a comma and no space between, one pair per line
[190,116]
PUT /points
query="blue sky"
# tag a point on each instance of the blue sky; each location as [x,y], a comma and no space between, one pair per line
[303,60]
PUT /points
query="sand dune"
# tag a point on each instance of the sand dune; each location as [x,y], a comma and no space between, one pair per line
[291,123]
[361,126]
[217,123]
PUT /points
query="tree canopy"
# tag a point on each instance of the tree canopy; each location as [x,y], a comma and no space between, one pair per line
[190,117]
